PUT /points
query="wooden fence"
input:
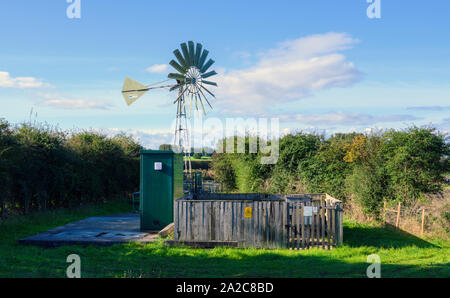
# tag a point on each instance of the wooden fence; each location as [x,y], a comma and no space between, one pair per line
[262,221]
[398,213]
[211,186]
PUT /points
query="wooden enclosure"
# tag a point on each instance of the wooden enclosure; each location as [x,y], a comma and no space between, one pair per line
[258,220]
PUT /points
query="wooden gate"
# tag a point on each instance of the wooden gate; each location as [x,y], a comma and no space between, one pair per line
[313,223]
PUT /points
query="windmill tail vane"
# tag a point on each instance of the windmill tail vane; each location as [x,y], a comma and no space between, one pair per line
[133,90]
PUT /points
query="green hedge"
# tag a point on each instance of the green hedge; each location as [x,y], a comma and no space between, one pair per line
[42,167]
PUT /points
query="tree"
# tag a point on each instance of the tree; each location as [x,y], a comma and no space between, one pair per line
[165,147]
[413,161]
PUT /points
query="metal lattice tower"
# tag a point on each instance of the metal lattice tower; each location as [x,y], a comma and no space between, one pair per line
[182,137]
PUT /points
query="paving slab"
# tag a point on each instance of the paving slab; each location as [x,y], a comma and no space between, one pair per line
[101,231]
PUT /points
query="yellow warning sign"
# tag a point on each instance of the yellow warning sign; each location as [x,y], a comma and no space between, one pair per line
[248,212]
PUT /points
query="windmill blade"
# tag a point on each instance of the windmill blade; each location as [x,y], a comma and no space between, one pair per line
[208,91]
[202,59]
[209,74]
[177,76]
[198,51]
[207,65]
[209,83]
[191,52]
[196,103]
[190,108]
[187,58]
[133,90]
[203,108]
[201,92]
[180,58]
[177,66]
[184,104]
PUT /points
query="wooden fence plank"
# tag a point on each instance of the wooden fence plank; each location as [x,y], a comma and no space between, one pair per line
[333,226]
[304,226]
[297,227]
[341,226]
[289,224]
[284,223]
[313,228]
[322,226]
[308,228]
[328,219]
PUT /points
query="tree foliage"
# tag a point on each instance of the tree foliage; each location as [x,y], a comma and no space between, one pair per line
[391,165]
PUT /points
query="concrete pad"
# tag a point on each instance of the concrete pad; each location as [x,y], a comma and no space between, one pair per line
[102,231]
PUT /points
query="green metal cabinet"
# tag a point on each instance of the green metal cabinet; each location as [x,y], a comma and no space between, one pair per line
[161,183]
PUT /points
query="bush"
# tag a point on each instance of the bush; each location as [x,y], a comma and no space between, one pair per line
[223,171]
[43,167]
[413,161]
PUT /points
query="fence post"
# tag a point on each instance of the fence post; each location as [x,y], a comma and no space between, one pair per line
[423,219]
[340,226]
[384,212]
[397,224]
[285,224]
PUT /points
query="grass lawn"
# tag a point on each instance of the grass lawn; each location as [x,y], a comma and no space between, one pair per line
[402,255]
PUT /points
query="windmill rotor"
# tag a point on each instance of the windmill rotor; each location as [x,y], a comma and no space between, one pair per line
[192,72]
[192,69]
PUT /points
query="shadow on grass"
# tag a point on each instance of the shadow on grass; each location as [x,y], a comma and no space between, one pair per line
[356,235]
[348,261]
[199,263]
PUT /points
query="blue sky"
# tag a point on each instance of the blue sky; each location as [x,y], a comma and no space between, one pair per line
[317,65]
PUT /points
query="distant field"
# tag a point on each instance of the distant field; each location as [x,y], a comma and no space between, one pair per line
[206,159]
[402,255]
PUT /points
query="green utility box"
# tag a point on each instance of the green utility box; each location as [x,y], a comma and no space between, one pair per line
[161,184]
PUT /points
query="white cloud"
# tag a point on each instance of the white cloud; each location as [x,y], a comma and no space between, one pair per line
[347,119]
[429,108]
[74,104]
[19,82]
[444,127]
[62,102]
[291,71]
[149,138]
[158,68]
